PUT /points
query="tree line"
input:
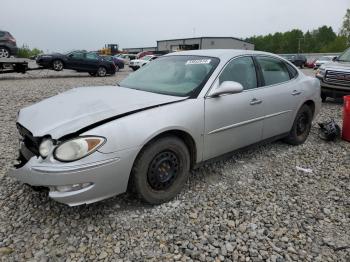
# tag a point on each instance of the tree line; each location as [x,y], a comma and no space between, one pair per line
[321,40]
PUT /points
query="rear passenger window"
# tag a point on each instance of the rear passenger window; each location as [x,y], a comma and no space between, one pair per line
[292,71]
[241,70]
[274,70]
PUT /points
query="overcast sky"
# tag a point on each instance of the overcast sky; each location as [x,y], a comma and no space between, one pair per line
[60,25]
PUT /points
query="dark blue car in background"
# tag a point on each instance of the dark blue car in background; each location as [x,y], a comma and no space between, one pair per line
[81,61]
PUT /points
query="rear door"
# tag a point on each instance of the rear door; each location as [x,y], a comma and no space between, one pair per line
[281,97]
[233,121]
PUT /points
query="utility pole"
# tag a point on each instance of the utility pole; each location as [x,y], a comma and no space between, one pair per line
[299,46]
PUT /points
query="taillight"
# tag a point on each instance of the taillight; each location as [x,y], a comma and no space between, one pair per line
[11,39]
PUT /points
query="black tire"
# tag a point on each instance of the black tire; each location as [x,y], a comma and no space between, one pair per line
[301,66]
[323,97]
[133,68]
[57,65]
[101,71]
[161,170]
[4,52]
[301,126]
[92,73]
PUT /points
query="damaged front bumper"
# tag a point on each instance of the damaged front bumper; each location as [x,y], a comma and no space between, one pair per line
[96,177]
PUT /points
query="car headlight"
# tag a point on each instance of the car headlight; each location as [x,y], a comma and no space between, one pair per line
[45,147]
[320,72]
[78,148]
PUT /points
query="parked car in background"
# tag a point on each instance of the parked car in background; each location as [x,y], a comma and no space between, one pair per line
[334,76]
[137,63]
[311,63]
[119,63]
[126,58]
[8,46]
[144,53]
[297,59]
[323,60]
[146,134]
[81,61]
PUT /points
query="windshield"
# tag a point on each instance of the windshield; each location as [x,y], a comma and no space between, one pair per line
[345,56]
[173,75]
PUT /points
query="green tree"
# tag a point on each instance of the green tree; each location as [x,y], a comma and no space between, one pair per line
[338,45]
[345,30]
[26,52]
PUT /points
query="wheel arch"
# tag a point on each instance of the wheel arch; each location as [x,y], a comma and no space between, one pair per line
[181,134]
[312,106]
[60,59]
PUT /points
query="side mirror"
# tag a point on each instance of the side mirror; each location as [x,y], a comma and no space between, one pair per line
[227,87]
[335,58]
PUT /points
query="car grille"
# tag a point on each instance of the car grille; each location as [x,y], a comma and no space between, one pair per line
[30,142]
[338,78]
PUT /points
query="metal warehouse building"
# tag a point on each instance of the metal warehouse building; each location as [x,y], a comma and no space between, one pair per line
[139,49]
[203,43]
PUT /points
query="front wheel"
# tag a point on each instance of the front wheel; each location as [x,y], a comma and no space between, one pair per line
[161,170]
[57,65]
[301,126]
[101,71]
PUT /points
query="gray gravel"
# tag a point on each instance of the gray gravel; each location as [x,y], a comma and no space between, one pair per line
[254,206]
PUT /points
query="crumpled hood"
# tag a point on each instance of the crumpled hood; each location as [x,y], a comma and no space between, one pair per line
[75,109]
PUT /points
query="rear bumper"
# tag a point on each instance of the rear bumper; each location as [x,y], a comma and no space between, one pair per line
[104,178]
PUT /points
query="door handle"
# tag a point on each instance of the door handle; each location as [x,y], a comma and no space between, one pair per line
[296,93]
[255,101]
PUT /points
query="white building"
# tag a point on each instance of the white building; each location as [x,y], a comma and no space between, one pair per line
[203,43]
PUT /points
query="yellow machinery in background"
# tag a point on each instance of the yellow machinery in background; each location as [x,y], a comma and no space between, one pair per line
[110,49]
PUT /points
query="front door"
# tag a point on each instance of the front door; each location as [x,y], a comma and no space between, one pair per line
[76,60]
[236,120]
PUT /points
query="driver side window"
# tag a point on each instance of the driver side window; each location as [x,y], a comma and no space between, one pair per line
[241,70]
[77,55]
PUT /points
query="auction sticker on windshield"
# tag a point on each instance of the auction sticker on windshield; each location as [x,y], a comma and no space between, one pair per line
[198,62]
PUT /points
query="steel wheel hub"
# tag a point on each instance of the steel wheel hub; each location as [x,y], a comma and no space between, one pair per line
[163,170]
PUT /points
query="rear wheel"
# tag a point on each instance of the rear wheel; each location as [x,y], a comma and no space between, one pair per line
[4,52]
[161,170]
[301,126]
[101,71]
[57,65]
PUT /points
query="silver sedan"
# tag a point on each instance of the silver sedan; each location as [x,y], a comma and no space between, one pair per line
[146,133]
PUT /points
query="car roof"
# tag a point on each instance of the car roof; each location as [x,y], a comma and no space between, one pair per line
[220,53]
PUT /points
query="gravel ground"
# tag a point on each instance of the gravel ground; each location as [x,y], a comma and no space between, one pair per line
[254,206]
